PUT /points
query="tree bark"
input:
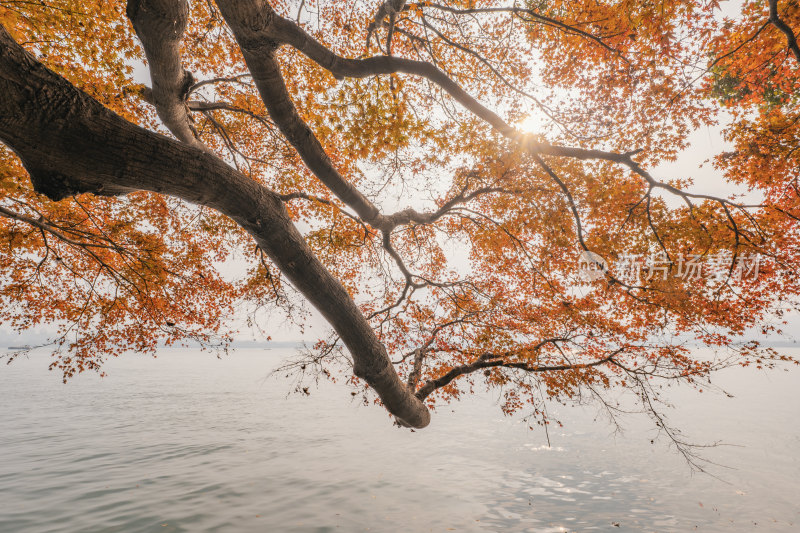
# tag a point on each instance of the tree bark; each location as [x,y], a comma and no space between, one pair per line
[71,144]
[791,38]
[253,23]
[160,25]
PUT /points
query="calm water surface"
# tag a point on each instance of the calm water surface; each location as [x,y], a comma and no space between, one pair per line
[188,442]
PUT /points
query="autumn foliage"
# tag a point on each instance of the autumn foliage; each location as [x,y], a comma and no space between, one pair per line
[533,136]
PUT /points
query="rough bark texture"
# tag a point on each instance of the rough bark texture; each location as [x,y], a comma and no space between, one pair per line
[70,143]
[160,25]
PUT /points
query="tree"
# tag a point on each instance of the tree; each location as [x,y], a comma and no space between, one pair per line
[365,156]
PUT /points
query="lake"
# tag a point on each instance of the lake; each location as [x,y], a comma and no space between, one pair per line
[189,442]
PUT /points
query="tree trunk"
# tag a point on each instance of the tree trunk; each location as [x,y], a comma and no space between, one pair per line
[71,144]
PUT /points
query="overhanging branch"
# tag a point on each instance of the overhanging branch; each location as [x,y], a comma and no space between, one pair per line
[489,360]
[70,143]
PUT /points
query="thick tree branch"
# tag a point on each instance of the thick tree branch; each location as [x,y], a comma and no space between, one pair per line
[160,25]
[70,144]
[791,38]
[388,8]
[416,371]
[251,22]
